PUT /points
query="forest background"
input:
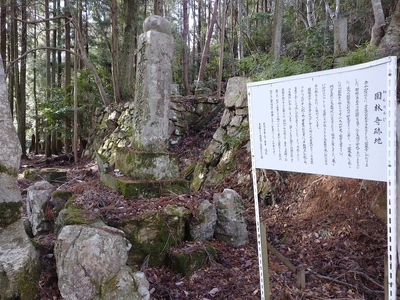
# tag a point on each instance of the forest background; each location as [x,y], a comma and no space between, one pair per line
[63,59]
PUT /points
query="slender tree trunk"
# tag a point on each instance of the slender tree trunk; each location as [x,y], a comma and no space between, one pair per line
[311,19]
[277,30]
[68,88]
[48,78]
[84,57]
[75,143]
[221,47]
[3,34]
[159,7]
[53,77]
[377,31]
[13,46]
[240,30]
[127,56]
[115,50]
[204,56]
[185,59]
[35,98]
[21,99]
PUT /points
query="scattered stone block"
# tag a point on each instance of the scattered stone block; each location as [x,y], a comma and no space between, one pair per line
[190,257]
[231,224]
[202,225]
[53,176]
[153,233]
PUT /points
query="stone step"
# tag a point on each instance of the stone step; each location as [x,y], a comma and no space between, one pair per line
[145,188]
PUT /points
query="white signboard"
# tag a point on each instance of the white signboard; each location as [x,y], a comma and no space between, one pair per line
[331,122]
[339,122]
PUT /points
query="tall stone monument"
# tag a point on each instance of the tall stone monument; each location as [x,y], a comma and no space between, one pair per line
[153,170]
[19,271]
[153,85]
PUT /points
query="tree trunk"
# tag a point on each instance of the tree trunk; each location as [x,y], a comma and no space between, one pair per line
[127,55]
[3,34]
[221,48]
[48,78]
[390,42]
[115,50]
[377,31]
[68,89]
[75,143]
[311,19]
[204,56]
[83,55]
[21,99]
[277,30]
[159,7]
[185,58]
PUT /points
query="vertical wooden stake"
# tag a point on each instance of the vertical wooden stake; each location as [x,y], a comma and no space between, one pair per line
[264,248]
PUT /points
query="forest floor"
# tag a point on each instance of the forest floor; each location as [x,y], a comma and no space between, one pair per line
[320,223]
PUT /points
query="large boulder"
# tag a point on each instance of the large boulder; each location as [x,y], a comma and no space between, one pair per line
[231,224]
[91,264]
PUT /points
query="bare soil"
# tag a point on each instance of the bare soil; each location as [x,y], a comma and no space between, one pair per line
[320,223]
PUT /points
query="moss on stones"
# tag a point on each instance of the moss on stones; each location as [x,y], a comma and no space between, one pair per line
[153,233]
[190,259]
[30,174]
[9,171]
[10,212]
[27,281]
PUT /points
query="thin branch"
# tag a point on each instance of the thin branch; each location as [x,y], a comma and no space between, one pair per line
[37,49]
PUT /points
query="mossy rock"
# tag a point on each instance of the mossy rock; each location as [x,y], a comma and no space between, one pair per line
[74,214]
[9,171]
[30,174]
[199,175]
[10,212]
[142,165]
[190,257]
[53,175]
[153,233]
[25,282]
[145,188]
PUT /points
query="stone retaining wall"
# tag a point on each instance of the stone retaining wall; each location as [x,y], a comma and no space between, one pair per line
[114,123]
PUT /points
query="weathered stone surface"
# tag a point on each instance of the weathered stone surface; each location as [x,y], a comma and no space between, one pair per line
[153,86]
[147,165]
[226,118]
[30,173]
[145,188]
[236,92]
[190,258]
[152,234]
[231,224]
[157,23]
[219,135]
[91,264]
[36,197]
[212,154]
[202,226]
[18,259]
[53,175]
[19,264]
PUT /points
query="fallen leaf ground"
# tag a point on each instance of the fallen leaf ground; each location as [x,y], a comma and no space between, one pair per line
[320,223]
